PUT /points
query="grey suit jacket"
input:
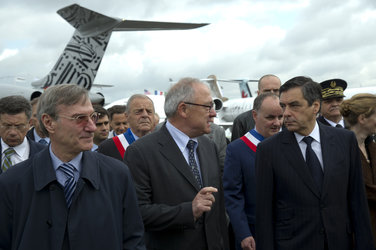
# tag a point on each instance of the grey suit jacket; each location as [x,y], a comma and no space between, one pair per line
[291,211]
[166,188]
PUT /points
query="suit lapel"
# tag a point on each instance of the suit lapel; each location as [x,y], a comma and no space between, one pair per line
[172,154]
[205,165]
[328,149]
[292,152]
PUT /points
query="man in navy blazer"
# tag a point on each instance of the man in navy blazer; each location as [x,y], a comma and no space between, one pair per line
[239,180]
[66,196]
[15,147]
[310,193]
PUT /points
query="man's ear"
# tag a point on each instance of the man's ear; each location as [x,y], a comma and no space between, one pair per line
[49,123]
[254,114]
[316,107]
[182,110]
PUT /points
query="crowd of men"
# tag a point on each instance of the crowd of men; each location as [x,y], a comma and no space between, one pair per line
[78,176]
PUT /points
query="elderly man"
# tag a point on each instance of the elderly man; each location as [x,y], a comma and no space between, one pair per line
[35,133]
[309,186]
[68,197]
[332,98]
[103,127]
[244,122]
[140,117]
[118,120]
[15,147]
[177,174]
[239,179]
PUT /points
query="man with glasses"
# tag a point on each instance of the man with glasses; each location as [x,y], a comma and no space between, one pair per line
[140,117]
[68,197]
[177,174]
[15,147]
[103,127]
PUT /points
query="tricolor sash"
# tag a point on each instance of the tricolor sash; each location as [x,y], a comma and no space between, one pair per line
[251,139]
[123,141]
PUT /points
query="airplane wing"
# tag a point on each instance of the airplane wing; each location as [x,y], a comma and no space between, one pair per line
[133,25]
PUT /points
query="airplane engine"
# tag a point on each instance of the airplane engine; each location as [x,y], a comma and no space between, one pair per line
[218,104]
[97,98]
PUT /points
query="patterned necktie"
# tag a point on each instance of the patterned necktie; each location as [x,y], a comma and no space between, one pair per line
[7,163]
[43,141]
[192,162]
[313,162]
[70,183]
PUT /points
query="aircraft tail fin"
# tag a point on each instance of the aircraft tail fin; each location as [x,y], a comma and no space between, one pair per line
[83,54]
[244,89]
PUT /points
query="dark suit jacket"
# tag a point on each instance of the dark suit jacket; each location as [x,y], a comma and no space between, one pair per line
[291,213]
[242,124]
[108,147]
[166,188]
[323,121]
[30,134]
[103,214]
[34,148]
[239,182]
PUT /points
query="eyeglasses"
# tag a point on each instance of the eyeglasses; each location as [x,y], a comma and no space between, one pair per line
[19,127]
[208,107]
[82,119]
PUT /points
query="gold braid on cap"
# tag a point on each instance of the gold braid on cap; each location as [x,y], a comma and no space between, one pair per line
[332,92]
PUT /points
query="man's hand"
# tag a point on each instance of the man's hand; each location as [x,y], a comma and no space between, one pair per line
[203,201]
[248,243]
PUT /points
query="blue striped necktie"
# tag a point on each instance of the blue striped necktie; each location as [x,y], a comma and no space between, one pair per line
[43,141]
[70,183]
[193,163]
[7,163]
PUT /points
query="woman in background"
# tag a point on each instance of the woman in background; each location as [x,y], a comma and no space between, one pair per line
[359,114]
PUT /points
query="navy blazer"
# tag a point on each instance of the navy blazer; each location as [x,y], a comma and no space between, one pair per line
[34,148]
[239,184]
[103,215]
[291,211]
[166,187]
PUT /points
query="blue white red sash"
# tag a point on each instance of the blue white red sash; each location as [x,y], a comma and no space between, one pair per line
[123,141]
[252,138]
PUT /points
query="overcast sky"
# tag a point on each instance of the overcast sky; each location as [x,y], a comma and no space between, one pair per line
[245,39]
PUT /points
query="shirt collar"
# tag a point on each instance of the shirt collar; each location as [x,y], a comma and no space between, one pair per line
[179,137]
[56,162]
[19,149]
[333,124]
[38,138]
[315,134]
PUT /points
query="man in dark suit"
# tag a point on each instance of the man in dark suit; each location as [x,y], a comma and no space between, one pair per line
[244,122]
[177,175]
[310,192]
[140,118]
[239,180]
[68,197]
[15,147]
[35,133]
[332,98]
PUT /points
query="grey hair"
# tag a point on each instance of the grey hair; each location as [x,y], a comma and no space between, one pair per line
[136,96]
[182,91]
[15,104]
[257,103]
[63,94]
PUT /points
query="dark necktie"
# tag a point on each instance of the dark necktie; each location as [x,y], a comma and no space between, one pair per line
[7,163]
[192,162]
[313,162]
[70,183]
[339,126]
